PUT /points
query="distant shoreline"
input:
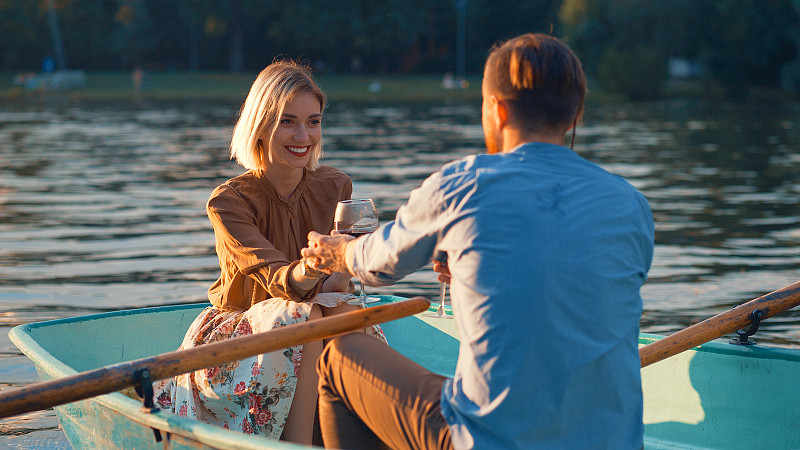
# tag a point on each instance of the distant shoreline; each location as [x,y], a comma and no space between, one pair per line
[222,86]
[232,88]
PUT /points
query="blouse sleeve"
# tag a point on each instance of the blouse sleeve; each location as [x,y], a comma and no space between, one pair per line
[245,253]
[347,190]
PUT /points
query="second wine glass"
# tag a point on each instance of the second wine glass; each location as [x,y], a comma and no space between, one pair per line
[357,217]
[440,313]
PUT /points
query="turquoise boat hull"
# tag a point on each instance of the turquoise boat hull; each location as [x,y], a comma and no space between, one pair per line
[714,396]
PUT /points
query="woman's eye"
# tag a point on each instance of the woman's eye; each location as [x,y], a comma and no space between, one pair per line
[286,121]
[315,122]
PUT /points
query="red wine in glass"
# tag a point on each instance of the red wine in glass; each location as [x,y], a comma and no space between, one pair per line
[354,233]
[357,217]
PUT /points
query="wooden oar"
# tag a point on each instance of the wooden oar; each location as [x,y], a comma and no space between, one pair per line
[721,324]
[119,376]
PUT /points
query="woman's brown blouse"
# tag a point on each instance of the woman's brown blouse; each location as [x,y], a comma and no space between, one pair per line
[259,234]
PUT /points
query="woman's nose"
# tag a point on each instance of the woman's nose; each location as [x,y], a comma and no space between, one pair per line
[301,133]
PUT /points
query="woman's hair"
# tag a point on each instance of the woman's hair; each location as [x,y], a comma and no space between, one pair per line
[275,86]
[540,78]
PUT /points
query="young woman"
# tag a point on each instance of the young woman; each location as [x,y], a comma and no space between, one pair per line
[261,219]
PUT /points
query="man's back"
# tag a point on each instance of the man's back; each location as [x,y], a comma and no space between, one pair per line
[547,253]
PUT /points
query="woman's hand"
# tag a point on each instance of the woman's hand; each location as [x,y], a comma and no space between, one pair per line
[338,282]
[327,253]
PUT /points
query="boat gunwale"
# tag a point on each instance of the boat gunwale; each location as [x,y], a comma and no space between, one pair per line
[165,421]
[218,437]
[721,347]
[106,314]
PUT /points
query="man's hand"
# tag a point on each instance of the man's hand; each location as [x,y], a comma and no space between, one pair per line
[327,252]
[443,271]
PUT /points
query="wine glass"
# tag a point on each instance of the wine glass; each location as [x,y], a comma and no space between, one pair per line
[357,217]
[440,312]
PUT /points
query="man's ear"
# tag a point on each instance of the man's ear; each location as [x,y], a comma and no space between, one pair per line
[500,112]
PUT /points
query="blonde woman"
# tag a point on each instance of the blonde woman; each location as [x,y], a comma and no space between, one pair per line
[261,219]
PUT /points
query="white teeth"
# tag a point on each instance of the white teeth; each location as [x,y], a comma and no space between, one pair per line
[296,149]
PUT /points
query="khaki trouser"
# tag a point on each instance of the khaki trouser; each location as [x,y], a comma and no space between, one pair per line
[372,397]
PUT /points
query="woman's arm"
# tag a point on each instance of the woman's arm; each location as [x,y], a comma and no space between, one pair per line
[304,278]
[242,248]
[338,282]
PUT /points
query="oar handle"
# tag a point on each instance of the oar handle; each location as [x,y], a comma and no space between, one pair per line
[119,376]
[721,324]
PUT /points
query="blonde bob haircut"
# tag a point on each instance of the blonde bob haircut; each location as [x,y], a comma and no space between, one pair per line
[275,86]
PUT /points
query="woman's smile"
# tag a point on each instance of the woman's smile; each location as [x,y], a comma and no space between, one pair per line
[297,150]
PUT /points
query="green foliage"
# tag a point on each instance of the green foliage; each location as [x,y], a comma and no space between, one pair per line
[637,74]
[740,43]
[390,36]
[751,40]
[790,77]
[21,24]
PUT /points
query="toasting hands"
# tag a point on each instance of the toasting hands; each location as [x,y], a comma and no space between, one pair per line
[327,253]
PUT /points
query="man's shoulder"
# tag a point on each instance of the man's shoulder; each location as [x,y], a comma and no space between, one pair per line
[468,166]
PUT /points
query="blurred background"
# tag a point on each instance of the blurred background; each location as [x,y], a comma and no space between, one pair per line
[637,48]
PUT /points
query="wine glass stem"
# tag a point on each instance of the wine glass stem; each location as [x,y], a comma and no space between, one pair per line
[362,296]
[442,291]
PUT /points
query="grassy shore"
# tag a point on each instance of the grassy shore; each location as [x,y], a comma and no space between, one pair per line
[228,87]
[110,86]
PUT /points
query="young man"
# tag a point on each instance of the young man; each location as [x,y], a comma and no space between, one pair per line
[546,256]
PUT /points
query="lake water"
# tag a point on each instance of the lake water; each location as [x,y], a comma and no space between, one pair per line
[102,205]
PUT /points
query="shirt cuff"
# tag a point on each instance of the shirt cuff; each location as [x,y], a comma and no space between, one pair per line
[350,256]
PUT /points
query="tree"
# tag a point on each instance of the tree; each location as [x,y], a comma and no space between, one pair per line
[491,21]
[23,38]
[741,42]
[638,73]
[750,42]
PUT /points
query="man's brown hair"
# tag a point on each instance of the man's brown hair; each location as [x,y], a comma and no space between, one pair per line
[540,79]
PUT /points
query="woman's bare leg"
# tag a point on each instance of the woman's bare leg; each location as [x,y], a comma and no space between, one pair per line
[300,422]
[343,308]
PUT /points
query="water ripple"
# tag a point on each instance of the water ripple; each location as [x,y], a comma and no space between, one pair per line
[102,206]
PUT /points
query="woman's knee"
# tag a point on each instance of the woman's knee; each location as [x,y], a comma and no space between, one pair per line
[315,313]
[339,309]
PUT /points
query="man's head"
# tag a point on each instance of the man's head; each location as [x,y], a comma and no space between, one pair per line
[539,84]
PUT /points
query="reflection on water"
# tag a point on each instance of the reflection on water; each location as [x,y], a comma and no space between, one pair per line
[102,205]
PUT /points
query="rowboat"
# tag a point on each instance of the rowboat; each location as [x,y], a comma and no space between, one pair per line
[716,395]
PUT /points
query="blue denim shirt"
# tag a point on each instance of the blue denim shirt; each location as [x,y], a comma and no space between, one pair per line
[547,252]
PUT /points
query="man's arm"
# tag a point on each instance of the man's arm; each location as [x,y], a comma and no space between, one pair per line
[397,249]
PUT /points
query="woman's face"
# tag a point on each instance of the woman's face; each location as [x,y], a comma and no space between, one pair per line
[297,130]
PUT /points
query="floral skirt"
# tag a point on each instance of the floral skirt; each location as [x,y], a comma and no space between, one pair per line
[252,395]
